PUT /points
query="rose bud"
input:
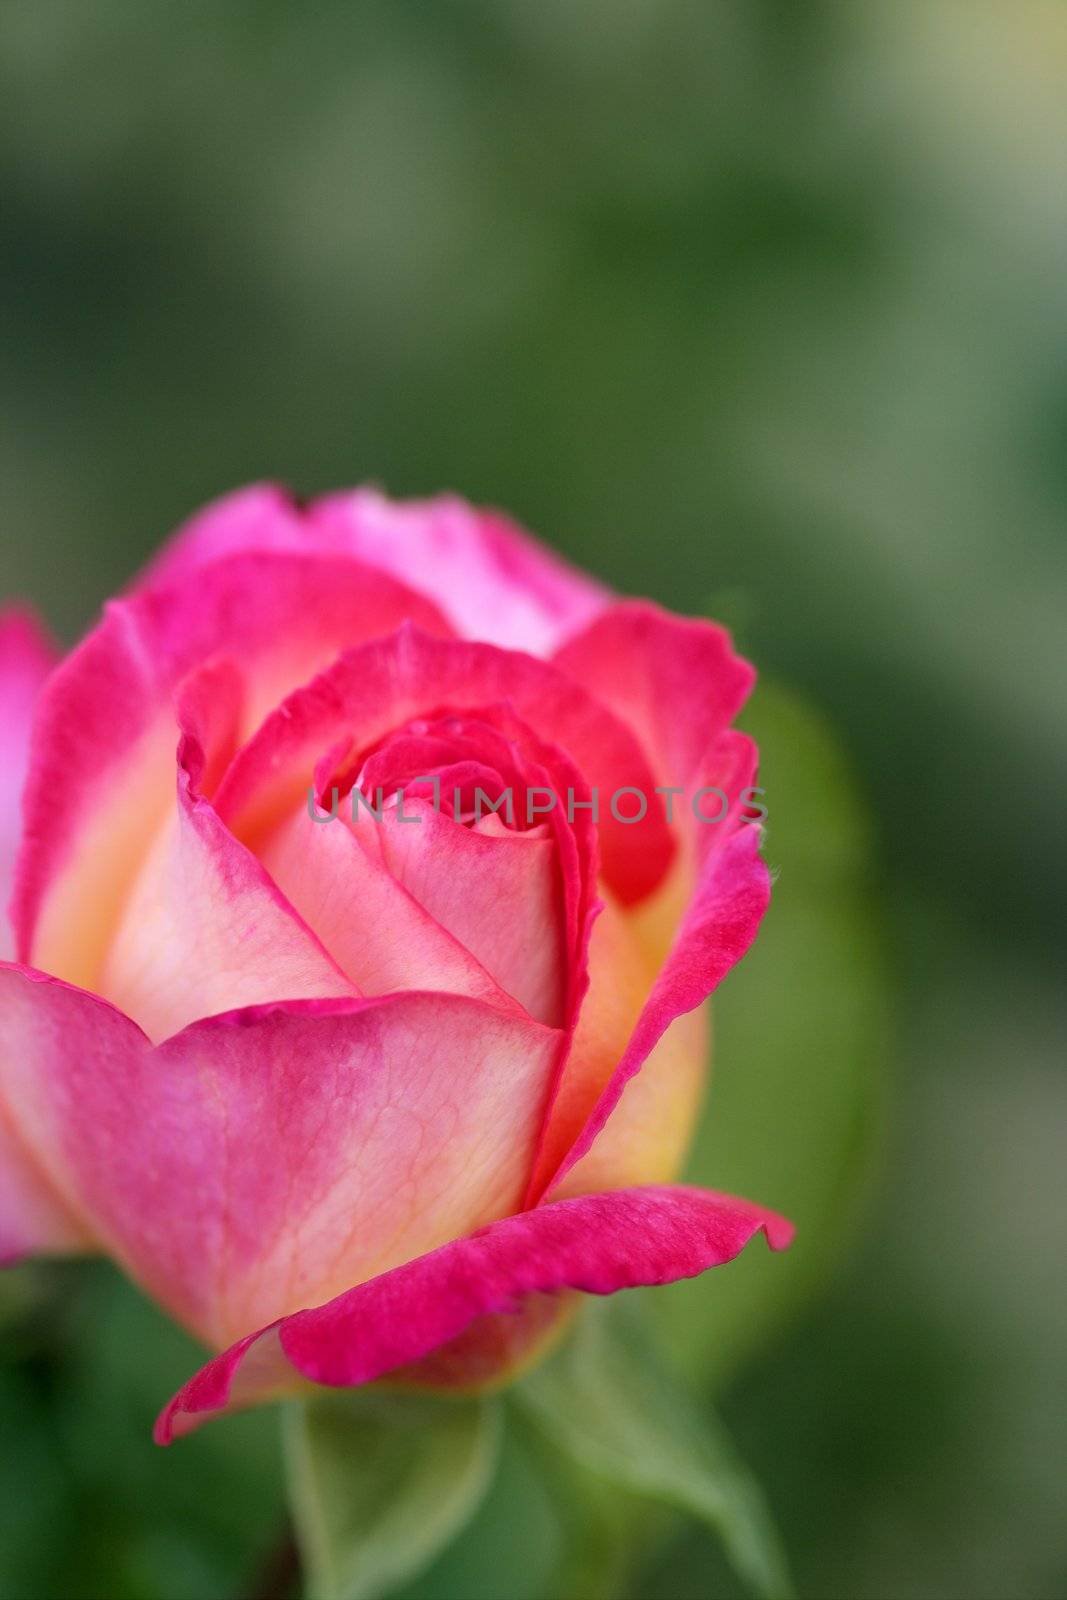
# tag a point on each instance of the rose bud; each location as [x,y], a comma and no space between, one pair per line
[364,907]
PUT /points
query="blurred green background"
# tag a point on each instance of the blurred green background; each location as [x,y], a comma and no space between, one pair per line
[759,308]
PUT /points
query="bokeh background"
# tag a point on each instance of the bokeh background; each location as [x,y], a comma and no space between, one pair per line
[759,308]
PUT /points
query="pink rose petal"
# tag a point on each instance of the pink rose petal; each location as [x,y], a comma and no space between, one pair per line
[26,658]
[102,765]
[598,1244]
[675,681]
[490,578]
[375,689]
[265,1160]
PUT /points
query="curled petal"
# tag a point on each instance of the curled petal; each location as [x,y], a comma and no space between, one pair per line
[679,683]
[632,1080]
[372,690]
[632,1123]
[615,1141]
[675,680]
[598,1244]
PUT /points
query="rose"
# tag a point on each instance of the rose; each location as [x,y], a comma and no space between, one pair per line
[354,1098]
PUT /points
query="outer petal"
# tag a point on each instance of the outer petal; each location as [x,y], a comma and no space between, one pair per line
[492,580]
[679,684]
[102,770]
[622,975]
[618,1141]
[33,1218]
[648,970]
[598,1244]
[264,1160]
[260,517]
[26,658]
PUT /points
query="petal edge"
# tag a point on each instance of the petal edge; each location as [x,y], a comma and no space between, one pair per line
[596,1243]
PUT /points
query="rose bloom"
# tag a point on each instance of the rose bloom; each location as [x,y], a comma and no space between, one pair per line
[368,1097]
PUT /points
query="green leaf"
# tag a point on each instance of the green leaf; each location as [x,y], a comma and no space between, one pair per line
[608,1400]
[381,1483]
[801,1032]
[513,1544]
[595,1522]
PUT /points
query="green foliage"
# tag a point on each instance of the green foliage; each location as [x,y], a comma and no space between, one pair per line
[379,1483]
[514,1544]
[602,1528]
[597,1436]
[609,1402]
